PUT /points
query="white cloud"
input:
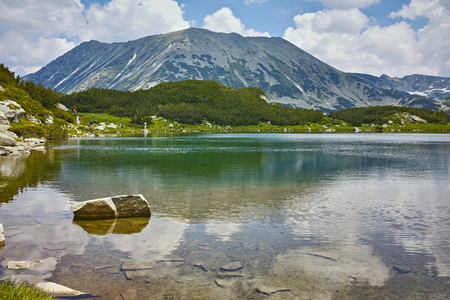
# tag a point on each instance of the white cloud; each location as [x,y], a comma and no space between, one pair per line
[224,20]
[36,32]
[123,20]
[351,44]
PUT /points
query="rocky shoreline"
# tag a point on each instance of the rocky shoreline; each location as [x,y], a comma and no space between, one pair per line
[12,145]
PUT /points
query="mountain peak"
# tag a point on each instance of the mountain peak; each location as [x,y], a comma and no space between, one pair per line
[284,72]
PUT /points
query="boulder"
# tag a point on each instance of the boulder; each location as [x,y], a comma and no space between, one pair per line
[94,209]
[418,119]
[125,206]
[57,290]
[12,110]
[1,89]
[2,236]
[3,119]
[62,106]
[131,206]
[7,141]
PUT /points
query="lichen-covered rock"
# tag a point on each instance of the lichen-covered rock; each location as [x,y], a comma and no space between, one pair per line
[125,206]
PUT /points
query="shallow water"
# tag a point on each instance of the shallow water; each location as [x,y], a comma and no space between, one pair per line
[314,216]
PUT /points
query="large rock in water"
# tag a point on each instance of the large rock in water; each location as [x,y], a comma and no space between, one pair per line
[112,207]
[2,236]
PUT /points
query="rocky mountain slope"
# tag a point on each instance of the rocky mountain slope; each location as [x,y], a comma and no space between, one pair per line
[284,72]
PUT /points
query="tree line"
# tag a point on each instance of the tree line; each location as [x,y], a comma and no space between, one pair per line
[380,114]
[191,102]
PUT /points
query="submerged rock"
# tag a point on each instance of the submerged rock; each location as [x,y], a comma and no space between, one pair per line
[231,267]
[270,290]
[402,270]
[134,265]
[224,283]
[112,207]
[20,265]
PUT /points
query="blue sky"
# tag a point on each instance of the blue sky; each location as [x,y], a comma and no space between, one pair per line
[394,37]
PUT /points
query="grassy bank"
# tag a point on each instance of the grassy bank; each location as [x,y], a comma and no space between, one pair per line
[11,290]
[161,125]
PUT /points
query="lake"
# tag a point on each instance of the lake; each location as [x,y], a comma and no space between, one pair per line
[301,216]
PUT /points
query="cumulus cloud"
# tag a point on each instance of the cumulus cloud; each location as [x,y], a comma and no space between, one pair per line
[224,20]
[123,20]
[36,32]
[351,44]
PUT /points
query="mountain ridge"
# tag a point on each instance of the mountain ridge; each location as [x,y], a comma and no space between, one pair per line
[286,73]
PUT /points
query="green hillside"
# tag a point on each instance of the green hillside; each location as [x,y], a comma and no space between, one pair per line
[191,102]
[382,114]
[39,103]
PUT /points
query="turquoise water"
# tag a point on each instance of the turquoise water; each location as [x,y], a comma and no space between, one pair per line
[316,215]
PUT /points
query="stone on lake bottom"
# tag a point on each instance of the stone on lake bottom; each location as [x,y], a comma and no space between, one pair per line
[133,265]
[270,290]
[231,267]
[224,283]
[229,275]
[20,265]
[201,265]
[402,270]
[58,290]
[323,255]
[138,274]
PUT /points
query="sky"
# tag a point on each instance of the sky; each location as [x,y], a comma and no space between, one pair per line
[393,37]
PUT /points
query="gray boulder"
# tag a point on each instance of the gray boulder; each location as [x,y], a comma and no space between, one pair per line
[62,106]
[7,141]
[12,110]
[57,290]
[125,206]
[2,236]
[3,119]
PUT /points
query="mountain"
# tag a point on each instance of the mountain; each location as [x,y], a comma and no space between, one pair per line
[287,74]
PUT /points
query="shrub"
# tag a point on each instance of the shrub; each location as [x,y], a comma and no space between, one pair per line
[57,130]
[29,130]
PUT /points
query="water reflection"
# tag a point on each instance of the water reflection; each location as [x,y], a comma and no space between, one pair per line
[269,201]
[113,226]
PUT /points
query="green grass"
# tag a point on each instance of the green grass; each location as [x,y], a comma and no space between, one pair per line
[161,125]
[11,290]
